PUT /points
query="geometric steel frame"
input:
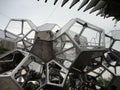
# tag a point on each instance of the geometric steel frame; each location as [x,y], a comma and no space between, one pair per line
[65,71]
[24,63]
[85,24]
[24,39]
[65,31]
[47,71]
[61,74]
[9,77]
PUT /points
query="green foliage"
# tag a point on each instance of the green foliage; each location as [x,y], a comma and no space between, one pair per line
[103,82]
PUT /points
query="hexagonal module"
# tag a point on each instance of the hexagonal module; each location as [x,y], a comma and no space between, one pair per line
[7,83]
[19,32]
[28,73]
[79,41]
[10,60]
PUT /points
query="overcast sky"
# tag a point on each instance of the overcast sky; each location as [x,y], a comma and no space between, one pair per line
[41,12]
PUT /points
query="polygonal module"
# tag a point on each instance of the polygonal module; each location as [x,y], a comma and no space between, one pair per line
[54,74]
[28,73]
[58,58]
[8,63]
[10,60]
[75,37]
[21,32]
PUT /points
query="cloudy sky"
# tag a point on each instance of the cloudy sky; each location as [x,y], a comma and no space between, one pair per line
[41,12]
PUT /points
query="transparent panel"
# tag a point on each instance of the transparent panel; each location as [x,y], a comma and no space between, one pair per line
[102,39]
[104,78]
[31,34]
[66,58]
[85,36]
[18,29]
[65,51]
[70,54]
[91,36]
[57,45]
[112,69]
[107,42]
[75,29]
[14,27]
[30,37]
[26,28]
[96,72]
[62,43]
[116,46]
[118,70]
[20,45]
